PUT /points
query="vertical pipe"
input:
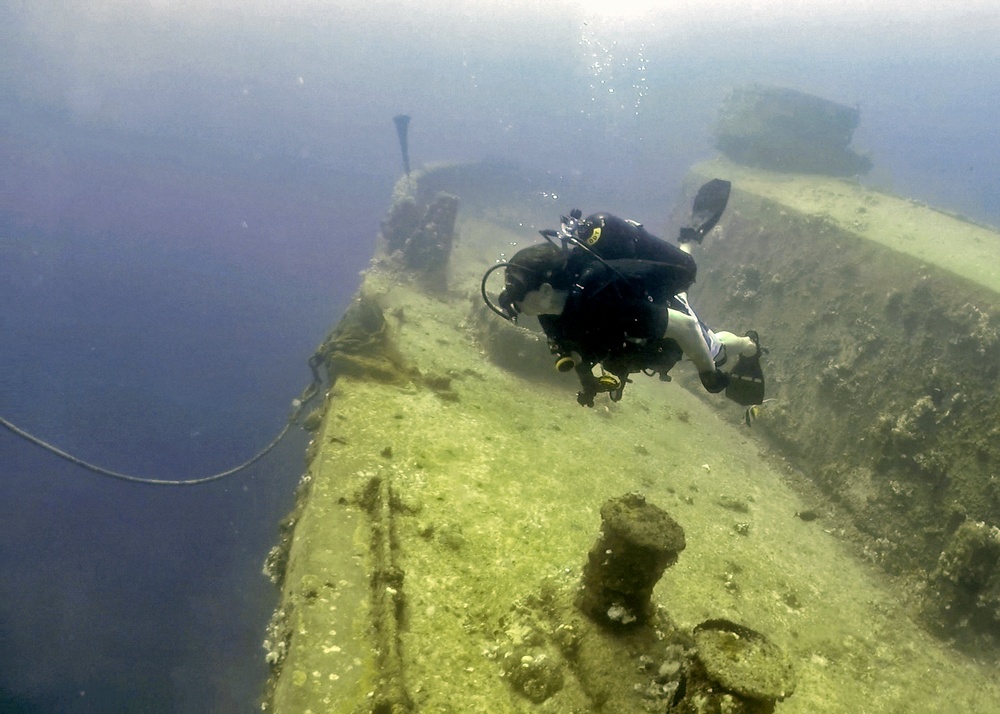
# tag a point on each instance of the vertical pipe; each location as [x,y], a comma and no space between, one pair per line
[402,122]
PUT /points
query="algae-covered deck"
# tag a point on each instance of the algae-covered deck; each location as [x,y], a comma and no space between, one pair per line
[449,506]
[908,227]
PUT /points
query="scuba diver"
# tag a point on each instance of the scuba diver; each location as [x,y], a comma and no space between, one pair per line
[606,292]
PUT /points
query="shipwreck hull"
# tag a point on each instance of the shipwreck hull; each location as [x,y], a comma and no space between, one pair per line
[454,488]
[883,320]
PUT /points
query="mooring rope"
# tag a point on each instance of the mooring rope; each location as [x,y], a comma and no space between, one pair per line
[297,406]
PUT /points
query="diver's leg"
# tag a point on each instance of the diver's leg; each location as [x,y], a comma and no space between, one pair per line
[699,344]
[686,331]
[737,345]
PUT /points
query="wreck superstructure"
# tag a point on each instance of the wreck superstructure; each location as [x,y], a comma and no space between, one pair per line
[454,486]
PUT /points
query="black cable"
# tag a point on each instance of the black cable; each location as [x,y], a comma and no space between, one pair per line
[298,405]
[139,479]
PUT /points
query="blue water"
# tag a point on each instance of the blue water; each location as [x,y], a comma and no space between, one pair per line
[188,196]
[164,333]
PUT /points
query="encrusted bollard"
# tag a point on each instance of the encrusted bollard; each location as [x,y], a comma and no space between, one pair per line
[735,669]
[638,541]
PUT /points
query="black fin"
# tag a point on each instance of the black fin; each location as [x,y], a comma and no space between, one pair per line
[746,381]
[709,205]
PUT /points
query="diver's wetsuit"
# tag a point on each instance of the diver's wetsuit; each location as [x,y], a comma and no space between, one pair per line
[619,286]
[611,305]
[614,238]
[616,311]
[617,298]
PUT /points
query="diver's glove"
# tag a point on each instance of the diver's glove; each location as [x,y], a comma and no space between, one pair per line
[714,381]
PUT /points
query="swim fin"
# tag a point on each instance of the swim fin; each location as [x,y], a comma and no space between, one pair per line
[709,205]
[746,380]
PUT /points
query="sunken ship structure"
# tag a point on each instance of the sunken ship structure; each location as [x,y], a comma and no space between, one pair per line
[468,538]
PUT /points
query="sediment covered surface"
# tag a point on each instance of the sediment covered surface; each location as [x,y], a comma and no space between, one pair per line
[883,319]
[449,506]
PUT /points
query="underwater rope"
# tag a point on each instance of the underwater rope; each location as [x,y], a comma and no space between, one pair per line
[297,404]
